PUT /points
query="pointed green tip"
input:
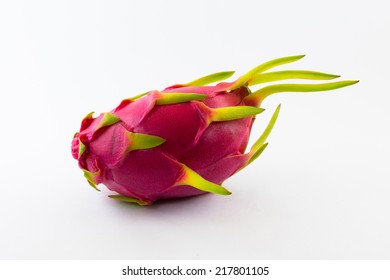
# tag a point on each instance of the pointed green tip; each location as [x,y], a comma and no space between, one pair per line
[108,119]
[288,75]
[93,185]
[88,116]
[352,82]
[257,153]
[138,96]
[91,178]
[234,113]
[263,67]
[192,178]
[258,96]
[178,97]
[129,199]
[140,141]
[81,148]
[212,78]
[259,146]
[337,85]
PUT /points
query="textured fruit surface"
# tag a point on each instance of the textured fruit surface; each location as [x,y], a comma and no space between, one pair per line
[186,139]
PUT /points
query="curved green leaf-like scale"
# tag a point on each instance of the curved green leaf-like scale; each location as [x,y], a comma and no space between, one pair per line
[191,178]
[123,104]
[108,119]
[259,95]
[137,96]
[263,67]
[88,116]
[91,178]
[233,113]
[139,141]
[87,120]
[93,185]
[290,74]
[257,153]
[127,101]
[260,145]
[129,199]
[81,148]
[263,137]
[212,78]
[178,97]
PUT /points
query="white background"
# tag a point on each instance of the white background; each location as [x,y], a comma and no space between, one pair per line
[319,191]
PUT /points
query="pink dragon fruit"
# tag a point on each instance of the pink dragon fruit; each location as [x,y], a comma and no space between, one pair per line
[186,139]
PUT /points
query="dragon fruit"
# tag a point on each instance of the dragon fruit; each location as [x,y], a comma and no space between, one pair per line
[186,139]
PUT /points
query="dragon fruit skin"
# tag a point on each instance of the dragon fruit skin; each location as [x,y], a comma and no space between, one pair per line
[185,140]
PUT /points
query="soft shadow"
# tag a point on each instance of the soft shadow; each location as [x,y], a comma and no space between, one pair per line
[200,205]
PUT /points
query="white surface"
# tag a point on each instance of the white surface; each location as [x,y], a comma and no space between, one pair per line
[319,191]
